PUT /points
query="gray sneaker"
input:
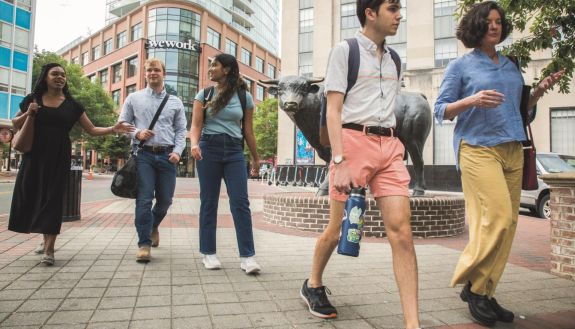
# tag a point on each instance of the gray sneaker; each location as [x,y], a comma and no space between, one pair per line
[39,249]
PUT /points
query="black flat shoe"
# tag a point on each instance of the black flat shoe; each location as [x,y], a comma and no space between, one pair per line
[503,315]
[479,306]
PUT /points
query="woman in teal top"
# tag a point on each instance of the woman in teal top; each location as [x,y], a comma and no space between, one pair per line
[217,136]
[483,90]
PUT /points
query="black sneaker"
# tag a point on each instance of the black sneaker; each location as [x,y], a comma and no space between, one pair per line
[316,300]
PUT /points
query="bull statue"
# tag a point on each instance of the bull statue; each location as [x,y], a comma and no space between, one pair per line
[299,98]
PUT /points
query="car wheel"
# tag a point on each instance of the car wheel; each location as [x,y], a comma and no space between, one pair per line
[544,207]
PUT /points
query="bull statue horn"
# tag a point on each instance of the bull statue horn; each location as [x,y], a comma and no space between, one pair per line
[314,80]
[269,82]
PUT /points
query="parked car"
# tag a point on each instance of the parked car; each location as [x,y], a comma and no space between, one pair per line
[538,200]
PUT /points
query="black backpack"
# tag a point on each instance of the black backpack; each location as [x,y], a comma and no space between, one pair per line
[352,71]
[208,94]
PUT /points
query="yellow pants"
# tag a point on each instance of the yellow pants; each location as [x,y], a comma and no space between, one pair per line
[491,180]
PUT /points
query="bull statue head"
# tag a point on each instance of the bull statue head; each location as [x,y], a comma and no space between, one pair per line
[299,98]
[294,92]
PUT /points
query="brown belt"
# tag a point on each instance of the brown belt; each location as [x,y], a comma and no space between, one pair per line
[374,130]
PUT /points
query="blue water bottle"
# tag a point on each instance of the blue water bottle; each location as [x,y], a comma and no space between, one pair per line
[352,223]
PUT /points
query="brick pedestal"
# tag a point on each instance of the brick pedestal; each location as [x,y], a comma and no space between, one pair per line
[562,187]
[431,216]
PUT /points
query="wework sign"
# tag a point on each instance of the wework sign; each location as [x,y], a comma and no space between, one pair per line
[193,46]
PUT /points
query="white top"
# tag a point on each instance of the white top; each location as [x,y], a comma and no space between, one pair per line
[371,100]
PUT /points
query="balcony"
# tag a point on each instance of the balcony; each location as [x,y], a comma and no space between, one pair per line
[244,5]
[240,17]
[123,7]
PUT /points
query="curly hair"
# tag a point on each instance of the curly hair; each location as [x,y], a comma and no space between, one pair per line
[374,5]
[233,83]
[473,26]
[41,86]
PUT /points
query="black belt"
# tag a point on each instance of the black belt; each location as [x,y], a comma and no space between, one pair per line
[158,149]
[374,130]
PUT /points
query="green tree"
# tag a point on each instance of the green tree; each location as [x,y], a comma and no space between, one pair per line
[266,128]
[548,24]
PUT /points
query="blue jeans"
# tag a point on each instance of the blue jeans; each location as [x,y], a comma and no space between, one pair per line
[156,178]
[222,157]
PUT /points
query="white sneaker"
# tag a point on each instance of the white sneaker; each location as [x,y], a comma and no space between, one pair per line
[250,265]
[40,248]
[211,262]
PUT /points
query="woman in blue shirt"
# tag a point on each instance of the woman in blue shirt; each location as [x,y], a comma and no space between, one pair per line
[483,90]
[223,124]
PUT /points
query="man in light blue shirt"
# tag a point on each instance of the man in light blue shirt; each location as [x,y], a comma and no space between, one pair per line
[157,159]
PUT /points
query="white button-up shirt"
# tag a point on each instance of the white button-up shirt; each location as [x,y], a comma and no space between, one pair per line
[371,100]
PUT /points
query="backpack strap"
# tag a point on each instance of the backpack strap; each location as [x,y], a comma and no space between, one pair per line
[352,63]
[244,102]
[396,60]
[208,95]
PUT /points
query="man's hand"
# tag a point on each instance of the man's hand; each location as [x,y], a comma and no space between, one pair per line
[342,181]
[144,134]
[174,157]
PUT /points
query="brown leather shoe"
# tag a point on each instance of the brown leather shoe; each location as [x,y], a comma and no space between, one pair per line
[143,255]
[155,237]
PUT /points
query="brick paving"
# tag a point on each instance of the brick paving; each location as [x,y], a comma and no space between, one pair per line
[96,282]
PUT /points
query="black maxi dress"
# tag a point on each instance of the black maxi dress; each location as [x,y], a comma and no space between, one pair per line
[37,203]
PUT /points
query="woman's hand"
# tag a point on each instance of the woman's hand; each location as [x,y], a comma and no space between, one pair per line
[196,152]
[33,108]
[255,168]
[547,83]
[488,99]
[123,127]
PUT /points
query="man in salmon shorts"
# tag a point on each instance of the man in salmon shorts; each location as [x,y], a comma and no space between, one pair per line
[366,151]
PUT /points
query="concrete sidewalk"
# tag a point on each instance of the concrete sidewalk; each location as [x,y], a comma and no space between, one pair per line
[96,282]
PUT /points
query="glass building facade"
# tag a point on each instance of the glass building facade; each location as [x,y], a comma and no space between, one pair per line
[259,20]
[16,52]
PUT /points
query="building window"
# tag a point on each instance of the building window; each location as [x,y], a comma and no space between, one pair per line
[445,51]
[246,57]
[121,40]
[174,24]
[260,92]
[75,60]
[136,32]
[213,38]
[443,143]
[271,71]
[305,38]
[96,52]
[5,34]
[117,73]
[231,47]
[116,96]
[85,58]
[4,79]
[445,23]
[259,65]
[92,78]
[108,46]
[21,39]
[130,89]
[104,79]
[132,66]
[18,83]
[562,133]
[349,22]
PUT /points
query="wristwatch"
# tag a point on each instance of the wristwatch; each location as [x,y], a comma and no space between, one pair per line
[337,159]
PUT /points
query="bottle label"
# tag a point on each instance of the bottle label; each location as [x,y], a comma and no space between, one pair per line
[353,235]
[355,215]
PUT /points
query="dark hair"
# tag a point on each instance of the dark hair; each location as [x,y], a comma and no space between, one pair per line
[374,5]
[474,26]
[41,86]
[233,82]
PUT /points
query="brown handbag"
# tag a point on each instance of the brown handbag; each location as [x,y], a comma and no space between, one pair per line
[24,137]
[529,163]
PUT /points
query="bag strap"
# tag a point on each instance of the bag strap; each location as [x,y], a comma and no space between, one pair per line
[352,63]
[156,116]
[396,60]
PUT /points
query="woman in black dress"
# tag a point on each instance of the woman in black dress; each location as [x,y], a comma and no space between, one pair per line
[37,199]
